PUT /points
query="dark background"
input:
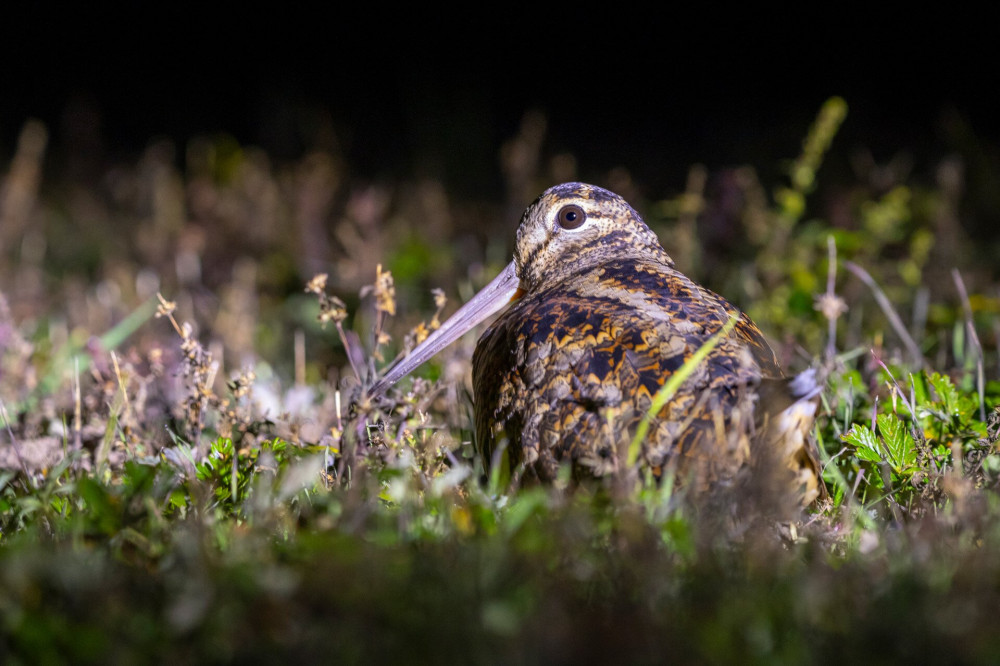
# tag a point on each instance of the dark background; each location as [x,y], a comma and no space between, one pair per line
[431,91]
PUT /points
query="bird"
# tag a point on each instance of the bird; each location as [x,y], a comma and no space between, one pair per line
[594,319]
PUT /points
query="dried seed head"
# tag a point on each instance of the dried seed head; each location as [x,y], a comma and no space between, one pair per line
[165,308]
[317,285]
[241,384]
[331,308]
[385,292]
[831,305]
[417,335]
[440,300]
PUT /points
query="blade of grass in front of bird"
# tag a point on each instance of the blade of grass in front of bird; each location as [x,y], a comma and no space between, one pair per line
[670,387]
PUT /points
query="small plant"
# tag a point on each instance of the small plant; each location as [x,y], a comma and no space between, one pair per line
[927,435]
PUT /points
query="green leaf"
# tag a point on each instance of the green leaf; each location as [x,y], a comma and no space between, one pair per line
[5,478]
[222,447]
[921,395]
[178,498]
[526,504]
[864,441]
[100,505]
[137,477]
[900,449]
[948,397]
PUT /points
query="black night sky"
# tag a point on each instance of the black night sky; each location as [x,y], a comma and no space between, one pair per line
[653,93]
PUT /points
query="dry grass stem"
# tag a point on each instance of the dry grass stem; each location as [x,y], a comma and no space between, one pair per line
[890,312]
[977,347]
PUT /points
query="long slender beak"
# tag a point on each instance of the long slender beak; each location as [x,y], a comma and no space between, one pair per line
[493,297]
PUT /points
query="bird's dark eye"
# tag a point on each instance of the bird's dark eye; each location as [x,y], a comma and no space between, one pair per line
[571,217]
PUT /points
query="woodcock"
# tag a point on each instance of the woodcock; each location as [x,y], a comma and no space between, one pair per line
[597,318]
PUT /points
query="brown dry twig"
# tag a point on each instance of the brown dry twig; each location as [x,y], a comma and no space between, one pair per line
[890,312]
[332,309]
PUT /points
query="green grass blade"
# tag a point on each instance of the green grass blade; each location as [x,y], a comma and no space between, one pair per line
[670,387]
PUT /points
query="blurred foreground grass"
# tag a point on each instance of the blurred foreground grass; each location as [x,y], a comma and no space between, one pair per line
[204,490]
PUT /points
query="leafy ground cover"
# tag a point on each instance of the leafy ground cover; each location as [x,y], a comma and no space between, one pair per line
[188,471]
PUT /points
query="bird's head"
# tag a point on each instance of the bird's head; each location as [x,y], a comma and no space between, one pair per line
[574,226]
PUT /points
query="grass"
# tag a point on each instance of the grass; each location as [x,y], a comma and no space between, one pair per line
[206,485]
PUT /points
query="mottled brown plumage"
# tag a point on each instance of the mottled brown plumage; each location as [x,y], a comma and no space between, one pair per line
[600,320]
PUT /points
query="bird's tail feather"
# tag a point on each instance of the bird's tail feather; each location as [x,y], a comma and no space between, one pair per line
[788,408]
